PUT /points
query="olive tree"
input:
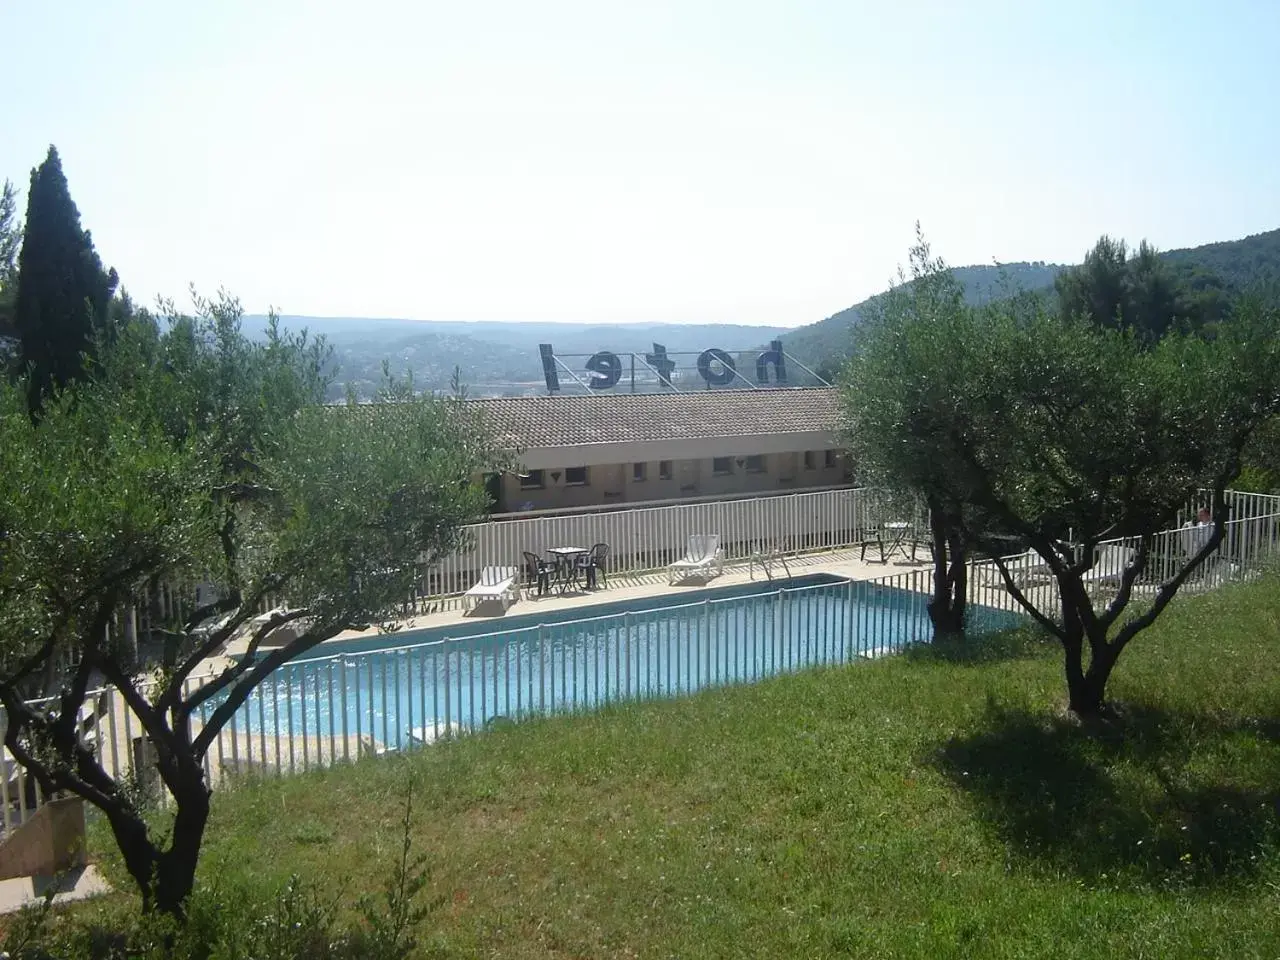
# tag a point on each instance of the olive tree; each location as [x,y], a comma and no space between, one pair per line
[1067,435]
[902,385]
[191,454]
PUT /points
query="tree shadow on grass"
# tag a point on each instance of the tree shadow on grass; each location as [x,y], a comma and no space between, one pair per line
[1016,644]
[1155,797]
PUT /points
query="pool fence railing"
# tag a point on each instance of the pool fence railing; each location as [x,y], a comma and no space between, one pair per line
[328,709]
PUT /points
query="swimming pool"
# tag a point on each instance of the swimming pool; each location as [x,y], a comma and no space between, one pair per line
[396,690]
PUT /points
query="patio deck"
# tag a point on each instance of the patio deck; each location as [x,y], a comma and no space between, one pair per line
[623,587]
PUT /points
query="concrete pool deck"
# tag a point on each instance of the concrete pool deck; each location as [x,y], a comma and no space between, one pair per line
[845,563]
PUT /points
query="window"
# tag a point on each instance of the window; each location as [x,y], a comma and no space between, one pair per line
[575,476]
[639,471]
[829,459]
[722,465]
[664,469]
[755,463]
[533,480]
[810,460]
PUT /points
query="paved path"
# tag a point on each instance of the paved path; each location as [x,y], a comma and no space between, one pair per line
[76,885]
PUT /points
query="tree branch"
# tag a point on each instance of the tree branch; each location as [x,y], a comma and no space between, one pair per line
[201,614]
[1169,589]
[246,682]
[1047,622]
[169,758]
[172,695]
[1128,577]
[103,792]
[238,669]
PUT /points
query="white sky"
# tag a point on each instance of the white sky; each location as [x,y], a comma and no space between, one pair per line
[596,161]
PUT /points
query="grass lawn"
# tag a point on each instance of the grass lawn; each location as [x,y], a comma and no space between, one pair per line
[920,806]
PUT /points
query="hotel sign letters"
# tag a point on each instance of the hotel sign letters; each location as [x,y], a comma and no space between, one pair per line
[715,366]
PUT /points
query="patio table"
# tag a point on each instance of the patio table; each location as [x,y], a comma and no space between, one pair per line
[566,564]
[894,536]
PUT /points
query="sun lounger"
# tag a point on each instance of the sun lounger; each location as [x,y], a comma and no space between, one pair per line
[1029,569]
[1109,565]
[496,583]
[433,732]
[701,557]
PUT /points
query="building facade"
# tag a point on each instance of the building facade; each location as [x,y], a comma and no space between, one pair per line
[608,449]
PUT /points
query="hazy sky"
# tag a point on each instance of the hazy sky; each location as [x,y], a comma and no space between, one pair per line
[596,161]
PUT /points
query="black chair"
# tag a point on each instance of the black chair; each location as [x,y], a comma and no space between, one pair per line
[537,572]
[593,563]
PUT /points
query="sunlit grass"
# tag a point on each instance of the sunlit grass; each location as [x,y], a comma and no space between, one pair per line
[929,806]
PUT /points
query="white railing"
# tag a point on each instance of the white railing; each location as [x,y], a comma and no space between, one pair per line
[647,539]
[1248,544]
[316,712]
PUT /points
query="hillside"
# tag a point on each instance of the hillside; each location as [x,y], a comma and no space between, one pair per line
[502,357]
[1230,266]
[494,357]
[817,343]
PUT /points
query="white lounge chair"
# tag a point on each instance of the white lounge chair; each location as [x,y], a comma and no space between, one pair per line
[433,732]
[701,557]
[496,583]
[1029,569]
[1109,565]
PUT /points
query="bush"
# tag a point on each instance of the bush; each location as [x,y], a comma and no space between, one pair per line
[231,922]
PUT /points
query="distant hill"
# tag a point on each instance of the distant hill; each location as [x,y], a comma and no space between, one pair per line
[494,357]
[1232,266]
[502,357]
[1239,264]
[818,343]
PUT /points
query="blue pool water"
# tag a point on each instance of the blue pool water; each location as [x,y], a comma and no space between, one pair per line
[406,688]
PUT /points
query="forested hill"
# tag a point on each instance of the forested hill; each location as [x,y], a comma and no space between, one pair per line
[1233,266]
[819,343]
[1239,264]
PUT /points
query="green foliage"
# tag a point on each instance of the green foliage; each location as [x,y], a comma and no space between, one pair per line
[1206,279]
[1139,292]
[1240,266]
[906,378]
[63,291]
[10,244]
[827,342]
[1013,419]
[230,919]
[391,925]
[196,455]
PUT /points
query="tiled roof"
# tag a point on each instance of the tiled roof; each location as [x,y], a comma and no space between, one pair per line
[566,420]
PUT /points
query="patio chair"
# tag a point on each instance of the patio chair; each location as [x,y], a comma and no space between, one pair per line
[593,564]
[766,555]
[701,556]
[537,573]
[496,583]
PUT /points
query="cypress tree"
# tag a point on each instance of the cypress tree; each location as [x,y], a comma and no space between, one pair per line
[63,292]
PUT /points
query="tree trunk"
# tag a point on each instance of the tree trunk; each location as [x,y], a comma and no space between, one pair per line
[959,579]
[946,606]
[1086,689]
[140,854]
[165,878]
[176,867]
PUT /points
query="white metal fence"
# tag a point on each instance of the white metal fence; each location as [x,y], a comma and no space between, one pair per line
[649,538]
[320,711]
